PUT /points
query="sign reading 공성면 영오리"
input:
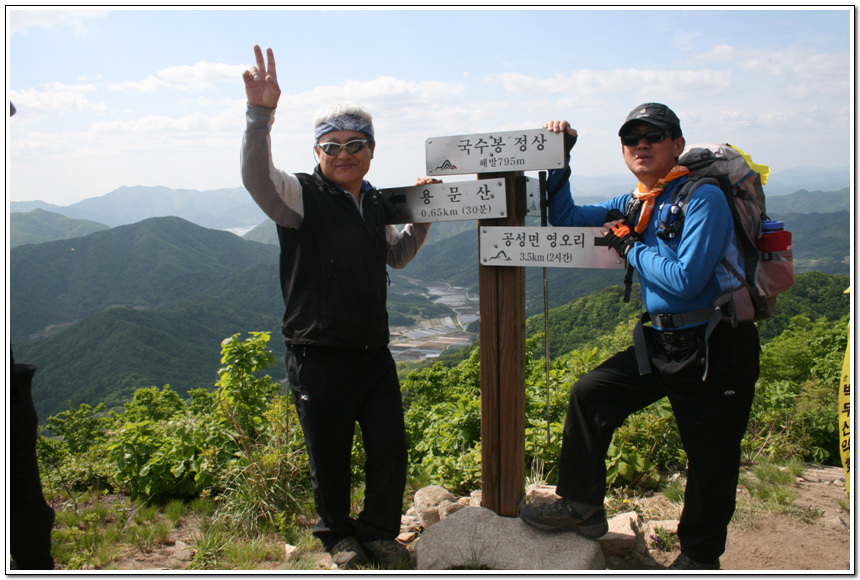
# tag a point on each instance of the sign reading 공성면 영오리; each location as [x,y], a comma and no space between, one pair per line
[547,247]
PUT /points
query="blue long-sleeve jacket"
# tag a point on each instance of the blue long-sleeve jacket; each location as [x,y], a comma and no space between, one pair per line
[680,275]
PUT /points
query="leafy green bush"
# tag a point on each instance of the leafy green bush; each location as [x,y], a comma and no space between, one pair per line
[795,413]
[170,459]
[150,403]
[242,443]
[443,423]
[71,450]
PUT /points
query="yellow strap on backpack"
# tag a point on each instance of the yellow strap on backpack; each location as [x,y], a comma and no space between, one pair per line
[762,170]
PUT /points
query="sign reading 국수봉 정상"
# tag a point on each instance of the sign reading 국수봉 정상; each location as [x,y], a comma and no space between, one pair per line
[535,149]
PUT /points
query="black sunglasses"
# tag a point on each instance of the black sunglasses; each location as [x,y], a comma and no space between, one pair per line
[351,147]
[632,139]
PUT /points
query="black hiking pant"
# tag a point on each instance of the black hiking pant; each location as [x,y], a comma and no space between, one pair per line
[333,389]
[712,418]
[30,517]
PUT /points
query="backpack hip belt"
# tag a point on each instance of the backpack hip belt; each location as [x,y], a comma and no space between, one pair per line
[732,307]
[673,321]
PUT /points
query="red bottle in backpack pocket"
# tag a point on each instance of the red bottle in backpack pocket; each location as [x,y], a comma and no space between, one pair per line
[773,237]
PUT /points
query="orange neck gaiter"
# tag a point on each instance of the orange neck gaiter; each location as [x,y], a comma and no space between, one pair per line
[647,197]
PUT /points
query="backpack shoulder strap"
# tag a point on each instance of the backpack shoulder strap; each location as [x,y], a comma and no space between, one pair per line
[633,205]
[691,185]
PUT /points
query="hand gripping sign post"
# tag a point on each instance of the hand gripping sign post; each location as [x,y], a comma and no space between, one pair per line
[500,201]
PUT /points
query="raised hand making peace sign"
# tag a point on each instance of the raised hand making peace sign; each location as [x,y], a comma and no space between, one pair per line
[261,81]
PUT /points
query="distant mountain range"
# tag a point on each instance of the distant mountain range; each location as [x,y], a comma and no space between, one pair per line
[222,209]
[590,189]
[233,208]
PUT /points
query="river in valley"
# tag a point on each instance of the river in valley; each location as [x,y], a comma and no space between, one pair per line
[430,337]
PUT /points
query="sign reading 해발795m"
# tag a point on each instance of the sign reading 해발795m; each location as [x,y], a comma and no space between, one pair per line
[495,152]
[444,202]
[547,247]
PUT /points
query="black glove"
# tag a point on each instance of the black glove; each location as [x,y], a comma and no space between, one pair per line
[621,236]
[569,142]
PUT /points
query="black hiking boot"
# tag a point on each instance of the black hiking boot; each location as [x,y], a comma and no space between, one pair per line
[563,514]
[386,551]
[347,553]
[683,562]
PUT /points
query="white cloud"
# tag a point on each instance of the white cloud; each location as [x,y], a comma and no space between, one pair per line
[393,102]
[22,20]
[805,70]
[194,126]
[195,77]
[148,85]
[383,89]
[202,74]
[611,82]
[56,97]
[198,151]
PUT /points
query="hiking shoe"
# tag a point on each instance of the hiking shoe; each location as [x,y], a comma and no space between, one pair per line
[563,514]
[347,553]
[386,551]
[683,562]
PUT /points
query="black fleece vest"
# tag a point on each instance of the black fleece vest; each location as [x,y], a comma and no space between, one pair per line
[333,269]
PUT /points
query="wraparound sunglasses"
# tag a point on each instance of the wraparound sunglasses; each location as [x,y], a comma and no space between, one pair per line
[351,147]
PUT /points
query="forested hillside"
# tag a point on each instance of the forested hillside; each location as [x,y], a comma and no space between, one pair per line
[106,356]
[815,295]
[573,325]
[821,241]
[39,226]
[803,201]
[144,265]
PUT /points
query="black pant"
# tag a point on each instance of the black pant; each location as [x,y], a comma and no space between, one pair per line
[333,389]
[31,518]
[712,418]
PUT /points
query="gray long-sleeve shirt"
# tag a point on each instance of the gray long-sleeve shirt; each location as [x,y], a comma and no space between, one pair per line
[279,193]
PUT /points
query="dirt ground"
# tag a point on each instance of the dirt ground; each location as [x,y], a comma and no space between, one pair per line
[791,542]
[786,542]
[766,543]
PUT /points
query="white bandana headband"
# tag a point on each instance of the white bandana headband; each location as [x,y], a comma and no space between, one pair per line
[344,123]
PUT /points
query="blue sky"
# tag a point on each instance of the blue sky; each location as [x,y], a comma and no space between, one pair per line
[107,98]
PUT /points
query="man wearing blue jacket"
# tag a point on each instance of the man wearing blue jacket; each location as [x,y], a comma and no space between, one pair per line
[708,372]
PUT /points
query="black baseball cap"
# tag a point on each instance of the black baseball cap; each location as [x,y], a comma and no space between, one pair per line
[655,114]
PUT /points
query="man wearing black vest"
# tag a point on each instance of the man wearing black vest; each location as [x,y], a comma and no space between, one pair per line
[335,246]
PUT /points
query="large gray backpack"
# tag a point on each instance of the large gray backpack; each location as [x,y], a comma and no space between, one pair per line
[768,272]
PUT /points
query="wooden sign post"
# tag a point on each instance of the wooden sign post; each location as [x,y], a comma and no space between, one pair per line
[503,346]
[504,156]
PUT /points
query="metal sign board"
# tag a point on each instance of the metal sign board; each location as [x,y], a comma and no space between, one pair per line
[445,202]
[495,152]
[547,247]
[532,197]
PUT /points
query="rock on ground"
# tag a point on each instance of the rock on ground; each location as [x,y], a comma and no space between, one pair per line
[476,538]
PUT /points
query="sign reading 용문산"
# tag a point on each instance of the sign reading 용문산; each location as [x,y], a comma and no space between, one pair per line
[442,202]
